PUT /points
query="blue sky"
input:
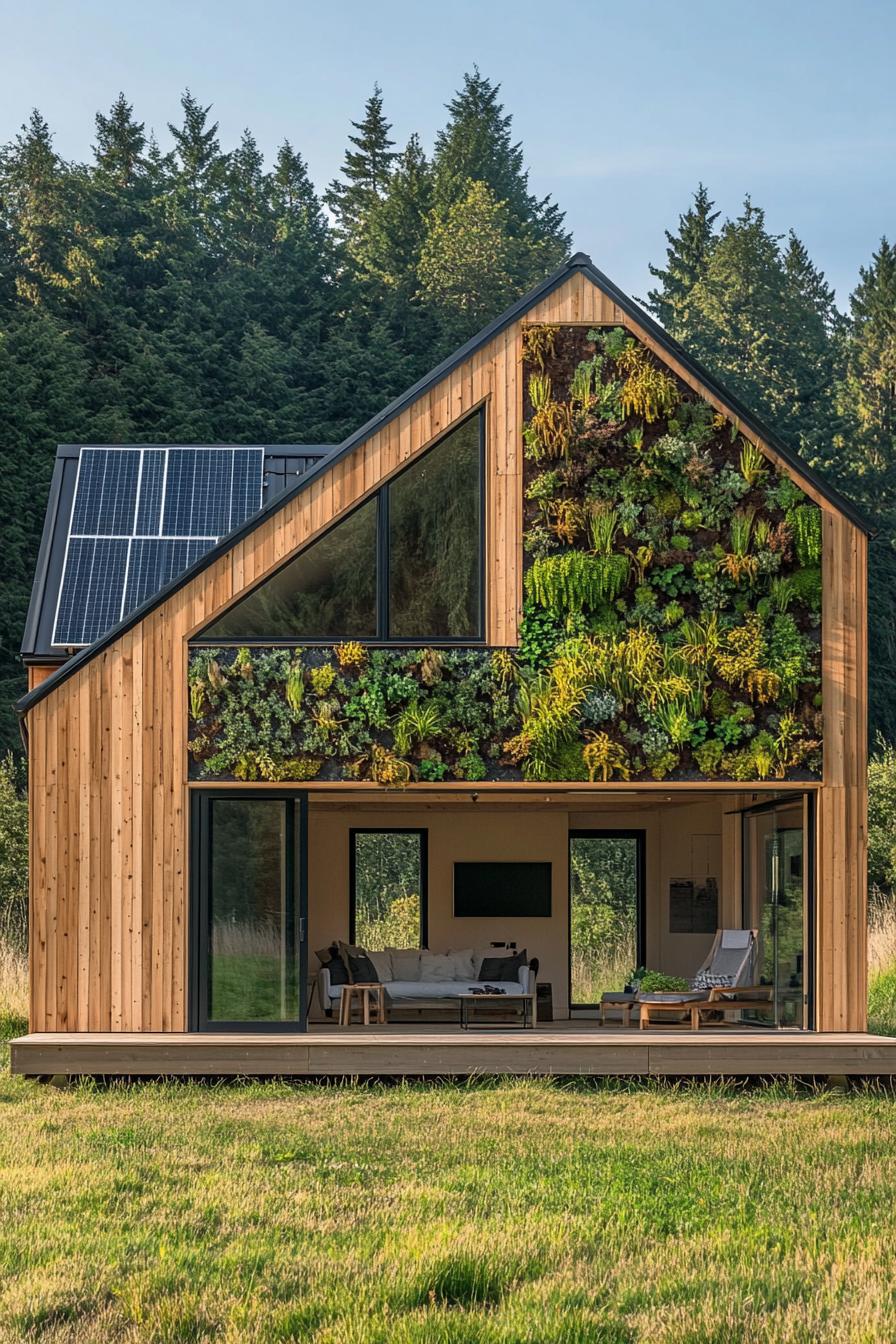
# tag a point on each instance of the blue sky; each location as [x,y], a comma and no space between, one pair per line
[622,107]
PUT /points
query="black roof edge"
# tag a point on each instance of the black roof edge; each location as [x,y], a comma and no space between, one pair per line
[35,600]
[579,262]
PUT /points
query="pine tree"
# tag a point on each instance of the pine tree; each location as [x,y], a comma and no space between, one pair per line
[687,253]
[866,463]
[200,166]
[247,220]
[872,356]
[43,376]
[120,143]
[365,172]
[760,317]
[45,259]
[397,229]
[466,266]
[477,146]
[389,253]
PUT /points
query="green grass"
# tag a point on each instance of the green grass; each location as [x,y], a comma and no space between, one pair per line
[882,1003]
[497,1213]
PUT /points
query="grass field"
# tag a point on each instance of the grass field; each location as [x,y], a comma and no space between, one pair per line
[497,1213]
[512,1212]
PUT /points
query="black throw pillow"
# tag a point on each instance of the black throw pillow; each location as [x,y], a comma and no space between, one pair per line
[362,970]
[338,972]
[511,966]
[501,968]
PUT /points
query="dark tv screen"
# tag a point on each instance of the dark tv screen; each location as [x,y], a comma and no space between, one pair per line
[502,890]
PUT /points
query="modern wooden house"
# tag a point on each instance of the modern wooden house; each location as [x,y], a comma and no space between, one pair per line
[563,651]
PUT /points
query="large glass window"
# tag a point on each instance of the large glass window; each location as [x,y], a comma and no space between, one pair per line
[387,888]
[248,946]
[606,911]
[406,565]
[434,529]
[327,592]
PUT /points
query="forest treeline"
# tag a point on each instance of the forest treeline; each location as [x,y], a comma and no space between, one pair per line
[196,294]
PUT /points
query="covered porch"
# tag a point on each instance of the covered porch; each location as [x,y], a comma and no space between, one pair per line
[594,884]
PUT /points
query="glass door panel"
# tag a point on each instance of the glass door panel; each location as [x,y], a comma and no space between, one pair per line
[775,903]
[249,947]
[606,912]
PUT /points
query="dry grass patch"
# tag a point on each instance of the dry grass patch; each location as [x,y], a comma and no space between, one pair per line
[13,991]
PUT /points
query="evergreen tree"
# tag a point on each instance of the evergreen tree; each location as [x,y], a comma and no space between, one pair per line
[467,262]
[365,172]
[199,167]
[45,260]
[687,253]
[396,231]
[43,377]
[866,462]
[872,357]
[389,255]
[759,316]
[477,146]
[120,143]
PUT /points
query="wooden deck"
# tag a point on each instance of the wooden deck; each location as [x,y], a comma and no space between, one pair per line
[560,1049]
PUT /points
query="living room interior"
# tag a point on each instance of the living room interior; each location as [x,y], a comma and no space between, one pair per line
[595,890]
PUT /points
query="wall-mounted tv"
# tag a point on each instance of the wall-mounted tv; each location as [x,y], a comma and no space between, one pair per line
[502,890]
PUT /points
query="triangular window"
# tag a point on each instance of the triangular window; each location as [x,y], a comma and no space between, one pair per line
[406,565]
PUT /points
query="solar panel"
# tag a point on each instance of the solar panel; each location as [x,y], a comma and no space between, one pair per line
[152,487]
[92,587]
[155,561]
[107,492]
[140,517]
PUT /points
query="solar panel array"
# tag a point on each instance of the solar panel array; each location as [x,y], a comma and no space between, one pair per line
[140,517]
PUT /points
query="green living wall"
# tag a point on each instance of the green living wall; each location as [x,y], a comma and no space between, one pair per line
[670,627]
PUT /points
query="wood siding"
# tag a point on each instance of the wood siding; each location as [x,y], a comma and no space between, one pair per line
[842,822]
[107,747]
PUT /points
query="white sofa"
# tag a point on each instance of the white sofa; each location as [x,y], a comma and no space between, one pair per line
[403,989]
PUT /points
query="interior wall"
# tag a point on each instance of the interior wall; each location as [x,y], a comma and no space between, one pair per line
[684,842]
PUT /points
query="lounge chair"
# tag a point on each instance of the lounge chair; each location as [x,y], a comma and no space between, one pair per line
[728,966]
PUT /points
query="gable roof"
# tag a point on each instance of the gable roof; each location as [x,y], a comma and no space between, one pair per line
[581,263]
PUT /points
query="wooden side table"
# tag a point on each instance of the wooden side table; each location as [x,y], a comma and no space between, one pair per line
[621,1002]
[366,996]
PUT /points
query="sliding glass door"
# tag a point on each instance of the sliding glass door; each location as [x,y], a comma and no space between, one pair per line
[776,893]
[606,912]
[249,957]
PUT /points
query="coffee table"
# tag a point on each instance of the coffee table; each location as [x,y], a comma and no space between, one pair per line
[522,1001]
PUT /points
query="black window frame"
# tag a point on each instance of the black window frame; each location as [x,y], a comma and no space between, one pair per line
[383,561]
[423,833]
[810,840]
[639,835]
[198,944]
